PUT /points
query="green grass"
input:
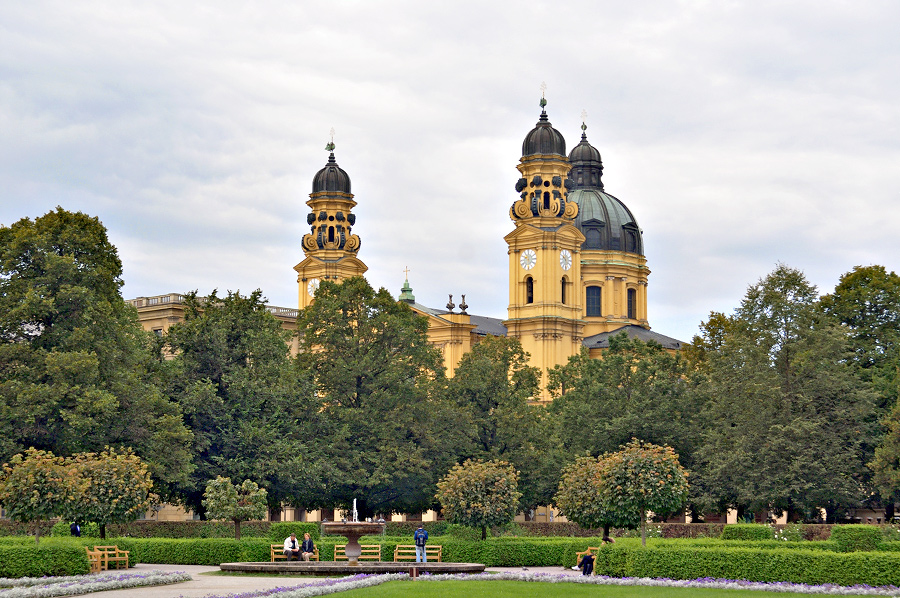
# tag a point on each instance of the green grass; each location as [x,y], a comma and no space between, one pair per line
[517,589]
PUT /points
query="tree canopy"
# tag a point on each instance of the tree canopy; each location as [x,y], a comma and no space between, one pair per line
[253,414]
[479,494]
[224,500]
[389,431]
[76,369]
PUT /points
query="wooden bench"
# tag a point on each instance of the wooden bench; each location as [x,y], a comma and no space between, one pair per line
[112,555]
[278,553]
[368,552]
[407,552]
[95,559]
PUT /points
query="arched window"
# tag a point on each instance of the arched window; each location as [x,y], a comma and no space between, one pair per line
[546,200]
[563,288]
[331,234]
[529,290]
[632,304]
[593,306]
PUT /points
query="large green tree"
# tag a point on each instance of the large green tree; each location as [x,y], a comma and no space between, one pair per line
[493,389]
[77,372]
[789,425]
[638,389]
[386,431]
[253,414]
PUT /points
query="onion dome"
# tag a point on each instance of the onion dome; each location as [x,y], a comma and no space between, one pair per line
[332,177]
[605,222]
[543,138]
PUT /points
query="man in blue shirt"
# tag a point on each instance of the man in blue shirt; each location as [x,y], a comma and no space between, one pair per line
[420,538]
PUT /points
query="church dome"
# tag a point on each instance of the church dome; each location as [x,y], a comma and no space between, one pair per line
[605,222]
[331,178]
[543,138]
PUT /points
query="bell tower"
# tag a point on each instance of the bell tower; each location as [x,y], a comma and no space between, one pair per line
[545,299]
[330,247]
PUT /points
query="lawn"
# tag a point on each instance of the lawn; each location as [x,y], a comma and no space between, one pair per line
[510,589]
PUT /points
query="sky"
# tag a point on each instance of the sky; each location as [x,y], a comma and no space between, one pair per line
[740,135]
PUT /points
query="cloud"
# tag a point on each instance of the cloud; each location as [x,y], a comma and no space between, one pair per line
[739,135]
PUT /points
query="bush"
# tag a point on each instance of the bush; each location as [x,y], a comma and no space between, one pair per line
[856,538]
[461,532]
[88,530]
[282,529]
[748,531]
[50,557]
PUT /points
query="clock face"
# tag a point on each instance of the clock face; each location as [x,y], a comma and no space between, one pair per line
[312,285]
[565,259]
[528,259]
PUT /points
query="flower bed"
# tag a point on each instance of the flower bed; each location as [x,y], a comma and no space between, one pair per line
[72,585]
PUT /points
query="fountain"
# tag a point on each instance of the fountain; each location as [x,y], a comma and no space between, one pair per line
[352,530]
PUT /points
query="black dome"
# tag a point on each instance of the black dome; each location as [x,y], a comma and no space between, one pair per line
[604,220]
[543,139]
[331,178]
[587,168]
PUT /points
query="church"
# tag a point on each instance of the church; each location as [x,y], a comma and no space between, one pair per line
[577,270]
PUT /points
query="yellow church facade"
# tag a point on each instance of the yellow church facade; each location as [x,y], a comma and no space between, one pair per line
[577,270]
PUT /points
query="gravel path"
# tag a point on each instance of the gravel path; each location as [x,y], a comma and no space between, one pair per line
[204,585]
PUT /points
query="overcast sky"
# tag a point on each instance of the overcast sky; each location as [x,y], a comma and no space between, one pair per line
[740,135]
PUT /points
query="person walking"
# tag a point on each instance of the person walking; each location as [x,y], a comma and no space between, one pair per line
[420,537]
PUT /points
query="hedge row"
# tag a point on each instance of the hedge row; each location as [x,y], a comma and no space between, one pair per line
[39,560]
[798,566]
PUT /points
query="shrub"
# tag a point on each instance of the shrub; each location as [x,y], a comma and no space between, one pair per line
[406,528]
[51,557]
[282,529]
[748,531]
[88,530]
[188,529]
[855,538]
[791,532]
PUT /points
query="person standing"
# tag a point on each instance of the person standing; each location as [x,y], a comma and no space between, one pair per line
[421,538]
[292,547]
[307,548]
[75,529]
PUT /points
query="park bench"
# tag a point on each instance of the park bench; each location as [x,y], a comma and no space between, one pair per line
[369,552]
[112,554]
[95,559]
[407,552]
[278,553]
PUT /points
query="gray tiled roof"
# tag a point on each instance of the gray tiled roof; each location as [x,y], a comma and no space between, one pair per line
[601,341]
[483,324]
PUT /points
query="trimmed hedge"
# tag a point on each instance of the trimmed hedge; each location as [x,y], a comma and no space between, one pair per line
[188,529]
[798,566]
[855,538]
[282,529]
[39,560]
[748,531]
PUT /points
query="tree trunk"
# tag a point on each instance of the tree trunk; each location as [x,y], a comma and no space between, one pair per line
[103,531]
[484,532]
[37,533]
[237,529]
[643,527]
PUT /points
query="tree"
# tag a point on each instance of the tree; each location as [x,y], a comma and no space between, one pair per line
[252,413]
[224,500]
[115,488]
[377,378]
[492,388]
[480,494]
[581,497]
[637,390]
[788,426]
[77,372]
[643,477]
[36,485]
